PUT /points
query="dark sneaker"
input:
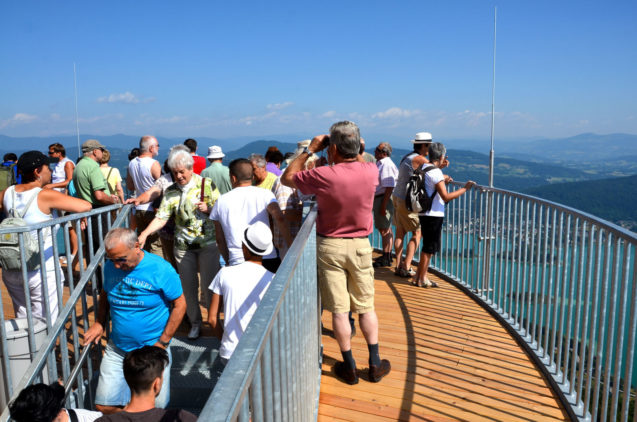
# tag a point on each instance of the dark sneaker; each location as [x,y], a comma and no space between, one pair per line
[345,374]
[377,372]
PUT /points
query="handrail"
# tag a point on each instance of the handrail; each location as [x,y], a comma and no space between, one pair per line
[274,373]
[45,355]
[562,281]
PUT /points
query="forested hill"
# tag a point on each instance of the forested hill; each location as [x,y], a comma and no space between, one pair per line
[611,199]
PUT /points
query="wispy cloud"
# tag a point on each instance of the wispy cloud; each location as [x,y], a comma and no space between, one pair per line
[125,98]
[396,113]
[18,119]
[279,106]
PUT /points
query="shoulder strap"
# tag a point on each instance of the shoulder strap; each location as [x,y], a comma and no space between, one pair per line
[107,177]
[203,187]
[26,208]
[72,415]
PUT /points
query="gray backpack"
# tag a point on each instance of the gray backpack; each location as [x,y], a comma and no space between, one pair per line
[10,245]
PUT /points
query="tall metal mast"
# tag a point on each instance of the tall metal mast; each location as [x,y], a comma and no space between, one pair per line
[77,124]
[492,152]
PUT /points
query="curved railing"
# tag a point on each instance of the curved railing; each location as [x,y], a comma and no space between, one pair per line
[274,373]
[562,281]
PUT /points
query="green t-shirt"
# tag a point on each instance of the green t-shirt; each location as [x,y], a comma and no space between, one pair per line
[88,178]
[220,175]
[193,228]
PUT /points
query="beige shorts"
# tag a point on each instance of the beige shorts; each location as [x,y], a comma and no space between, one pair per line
[403,218]
[382,222]
[346,274]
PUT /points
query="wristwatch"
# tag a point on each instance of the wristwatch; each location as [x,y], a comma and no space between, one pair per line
[307,150]
[164,343]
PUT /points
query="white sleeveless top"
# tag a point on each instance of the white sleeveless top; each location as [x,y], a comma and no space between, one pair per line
[58,175]
[139,171]
[33,216]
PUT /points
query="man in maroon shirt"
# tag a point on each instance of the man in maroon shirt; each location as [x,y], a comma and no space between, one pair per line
[345,194]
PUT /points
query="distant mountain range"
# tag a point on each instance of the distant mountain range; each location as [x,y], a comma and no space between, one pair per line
[611,199]
[572,171]
[614,154]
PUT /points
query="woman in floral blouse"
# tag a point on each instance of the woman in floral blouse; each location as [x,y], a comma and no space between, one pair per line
[195,250]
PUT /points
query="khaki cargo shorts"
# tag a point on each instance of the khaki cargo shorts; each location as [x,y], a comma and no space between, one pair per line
[346,274]
[382,222]
[403,218]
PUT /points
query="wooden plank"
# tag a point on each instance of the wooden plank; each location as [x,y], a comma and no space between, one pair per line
[450,361]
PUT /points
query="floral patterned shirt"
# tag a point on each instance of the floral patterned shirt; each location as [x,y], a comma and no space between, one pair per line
[193,229]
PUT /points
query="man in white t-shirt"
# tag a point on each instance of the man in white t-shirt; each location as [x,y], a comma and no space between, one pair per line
[244,205]
[383,206]
[241,288]
[143,171]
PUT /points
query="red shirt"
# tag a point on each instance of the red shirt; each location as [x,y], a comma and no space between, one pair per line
[345,197]
[199,164]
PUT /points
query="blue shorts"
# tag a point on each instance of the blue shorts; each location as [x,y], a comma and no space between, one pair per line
[112,389]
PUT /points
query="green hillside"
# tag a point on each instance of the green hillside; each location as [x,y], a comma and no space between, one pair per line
[614,199]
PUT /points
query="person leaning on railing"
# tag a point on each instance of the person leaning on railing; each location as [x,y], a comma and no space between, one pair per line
[35,171]
[143,296]
[431,220]
[345,195]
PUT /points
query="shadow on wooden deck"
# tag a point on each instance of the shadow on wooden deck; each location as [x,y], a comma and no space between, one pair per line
[450,361]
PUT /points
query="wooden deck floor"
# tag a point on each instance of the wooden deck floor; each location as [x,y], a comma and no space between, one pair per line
[450,361]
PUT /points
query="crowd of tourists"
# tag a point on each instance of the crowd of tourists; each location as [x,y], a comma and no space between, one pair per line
[206,234]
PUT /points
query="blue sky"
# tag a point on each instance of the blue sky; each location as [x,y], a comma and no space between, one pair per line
[234,69]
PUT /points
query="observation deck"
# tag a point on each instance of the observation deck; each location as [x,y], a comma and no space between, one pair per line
[535,319]
[451,360]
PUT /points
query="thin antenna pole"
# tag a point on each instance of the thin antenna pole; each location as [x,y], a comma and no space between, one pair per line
[492,152]
[77,124]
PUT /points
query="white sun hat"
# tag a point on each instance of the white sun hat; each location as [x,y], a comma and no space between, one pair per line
[258,238]
[215,152]
[422,138]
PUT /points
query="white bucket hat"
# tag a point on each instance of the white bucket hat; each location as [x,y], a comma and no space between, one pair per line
[215,152]
[258,238]
[422,138]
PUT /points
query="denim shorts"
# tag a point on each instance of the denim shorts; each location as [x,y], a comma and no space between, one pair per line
[112,389]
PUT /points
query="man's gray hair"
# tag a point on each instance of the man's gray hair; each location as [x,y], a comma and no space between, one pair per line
[347,138]
[146,142]
[257,159]
[436,151]
[120,235]
[180,156]
[385,148]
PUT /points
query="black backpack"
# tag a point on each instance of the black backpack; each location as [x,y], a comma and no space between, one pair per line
[416,198]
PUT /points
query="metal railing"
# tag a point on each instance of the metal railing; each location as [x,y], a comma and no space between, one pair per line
[562,281]
[60,355]
[274,373]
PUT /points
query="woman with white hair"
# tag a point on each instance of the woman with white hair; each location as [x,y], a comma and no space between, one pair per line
[189,200]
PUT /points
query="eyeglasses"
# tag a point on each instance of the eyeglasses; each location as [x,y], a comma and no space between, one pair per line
[52,152]
[117,260]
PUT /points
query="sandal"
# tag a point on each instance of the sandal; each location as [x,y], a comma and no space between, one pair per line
[417,283]
[429,283]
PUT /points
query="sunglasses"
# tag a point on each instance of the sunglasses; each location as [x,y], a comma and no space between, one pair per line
[117,260]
